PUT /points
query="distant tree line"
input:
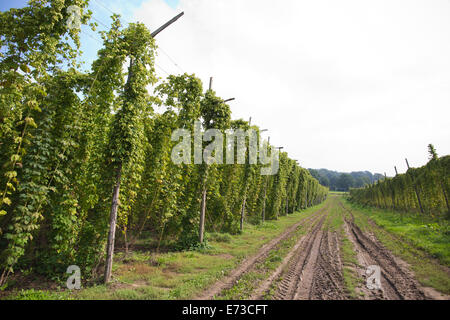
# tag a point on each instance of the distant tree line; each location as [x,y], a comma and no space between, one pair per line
[341,181]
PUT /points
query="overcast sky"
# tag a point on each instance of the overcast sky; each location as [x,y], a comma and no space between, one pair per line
[342,85]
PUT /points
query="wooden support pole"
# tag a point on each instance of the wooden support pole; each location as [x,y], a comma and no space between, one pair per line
[116,190]
[286,205]
[278,180]
[115,204]
[445,197]
[210,83]
[201,230]
[415,189]
[112,226]
[246,173]
[263,215]
[243,214]
[202,214]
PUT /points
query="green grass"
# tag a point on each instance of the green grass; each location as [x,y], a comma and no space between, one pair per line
[432,236]
[250,281]
[337,192]
[244,286]
[349,262]
[335,222]
[425,249]
[32,294]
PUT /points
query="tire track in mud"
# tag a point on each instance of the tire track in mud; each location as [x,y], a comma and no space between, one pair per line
[290,257]
[430,293]
[302,290]
[249,263]
[328,281]
[297,277]
[396,283]
[311,270]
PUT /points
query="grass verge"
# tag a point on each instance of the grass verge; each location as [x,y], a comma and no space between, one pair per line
[346,250]
[423,247]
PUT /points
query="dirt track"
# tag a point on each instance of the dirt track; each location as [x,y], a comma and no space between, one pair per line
[250,262]
[313,268]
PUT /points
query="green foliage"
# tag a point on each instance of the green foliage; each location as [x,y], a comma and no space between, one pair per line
[430,182]
[220,237]
[32,294]
[341,181]
[189,242]
[432,152]
[65,133]
[427,234]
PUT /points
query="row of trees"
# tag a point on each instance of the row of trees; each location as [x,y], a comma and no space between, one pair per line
[83,153]
[424,190]
[341,181]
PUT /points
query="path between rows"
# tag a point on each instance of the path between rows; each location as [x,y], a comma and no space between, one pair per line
[313,268]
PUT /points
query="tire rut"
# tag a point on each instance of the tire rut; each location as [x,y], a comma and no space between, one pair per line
[396,284]
[266,284]
[248,263]
[328,282]
[297,279]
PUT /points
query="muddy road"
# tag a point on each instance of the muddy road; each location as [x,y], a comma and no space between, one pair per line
[326,256]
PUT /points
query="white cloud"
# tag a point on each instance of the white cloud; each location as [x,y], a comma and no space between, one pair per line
[348,85]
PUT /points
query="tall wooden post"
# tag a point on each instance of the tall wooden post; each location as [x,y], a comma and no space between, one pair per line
[242,214]
[415,189]
[210,83]
[396,172]
[264,203]
[277,181]
[445,197]
[201,230]
[116,190]
[112,226]
[115,206]
[247,163]
[263,214]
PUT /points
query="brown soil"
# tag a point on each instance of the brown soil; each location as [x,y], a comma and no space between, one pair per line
[297,279]
[397,280]
[328,283]
[396,283]
[287,262]
[312,269]
[250,262]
